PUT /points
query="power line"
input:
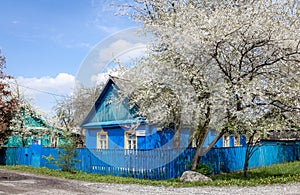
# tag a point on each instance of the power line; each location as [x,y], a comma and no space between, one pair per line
[38,90]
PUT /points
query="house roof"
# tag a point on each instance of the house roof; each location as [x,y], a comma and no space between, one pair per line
[35,122]
[284,135]
[111,123]
[115,83]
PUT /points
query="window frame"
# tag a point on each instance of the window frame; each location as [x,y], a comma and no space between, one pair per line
[126,140]
[98,144]
[237,142]
[226,140]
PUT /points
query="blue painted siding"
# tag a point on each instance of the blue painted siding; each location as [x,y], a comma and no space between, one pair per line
[115,138]
[219,143]
[91,138]
[152,139]
[231,141]
[210,137]
[243,140]
[184,137]
[109,108]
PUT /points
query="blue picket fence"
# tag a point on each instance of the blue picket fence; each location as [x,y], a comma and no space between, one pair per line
[152,164]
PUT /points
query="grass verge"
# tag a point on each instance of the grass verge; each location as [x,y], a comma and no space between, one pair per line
[275,174]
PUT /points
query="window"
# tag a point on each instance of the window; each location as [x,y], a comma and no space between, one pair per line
[102,140]
[226,141]
[54,141]
[130,140]
[237,140]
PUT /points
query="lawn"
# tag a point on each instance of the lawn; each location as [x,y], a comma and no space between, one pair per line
[275,174]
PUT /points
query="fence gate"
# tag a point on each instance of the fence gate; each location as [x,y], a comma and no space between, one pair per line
[36,148]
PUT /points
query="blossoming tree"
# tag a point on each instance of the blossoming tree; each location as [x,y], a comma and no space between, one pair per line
[27,122]
[235,65]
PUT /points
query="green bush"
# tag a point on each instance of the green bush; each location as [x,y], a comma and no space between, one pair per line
[204,169]
[67,154]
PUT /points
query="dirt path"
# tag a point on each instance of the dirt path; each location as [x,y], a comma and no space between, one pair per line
[12,182]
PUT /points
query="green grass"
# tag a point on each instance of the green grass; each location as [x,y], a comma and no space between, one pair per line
[275,174]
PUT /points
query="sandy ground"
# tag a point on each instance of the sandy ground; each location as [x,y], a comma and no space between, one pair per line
[12,182]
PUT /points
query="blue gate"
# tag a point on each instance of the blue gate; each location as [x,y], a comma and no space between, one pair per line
[36,151]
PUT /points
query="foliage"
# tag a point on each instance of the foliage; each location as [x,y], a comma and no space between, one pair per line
[23,123]
[8,103]
[275,174]
[65,113]
[204,169]
[67,154]
[226,65]
[71,110]
[50,159]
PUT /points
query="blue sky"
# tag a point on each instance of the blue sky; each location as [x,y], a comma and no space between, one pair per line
[46,41]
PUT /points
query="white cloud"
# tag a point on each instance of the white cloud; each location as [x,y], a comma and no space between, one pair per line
[121,47]
[46,90]
[62,84]
[133,54]
[124,47]
[100,78]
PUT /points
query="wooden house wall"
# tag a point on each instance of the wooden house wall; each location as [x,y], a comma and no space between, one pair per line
[108,108]
[243,141]
[152,139]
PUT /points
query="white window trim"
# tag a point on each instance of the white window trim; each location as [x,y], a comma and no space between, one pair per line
[226,142]
[99,134]
[126,133]
[238,140]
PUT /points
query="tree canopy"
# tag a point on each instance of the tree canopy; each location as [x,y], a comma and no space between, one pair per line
[229,65]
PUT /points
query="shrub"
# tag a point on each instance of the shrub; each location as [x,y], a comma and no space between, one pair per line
[204,169]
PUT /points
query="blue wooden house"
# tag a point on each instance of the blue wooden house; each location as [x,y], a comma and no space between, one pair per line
[227,140]
[109,125]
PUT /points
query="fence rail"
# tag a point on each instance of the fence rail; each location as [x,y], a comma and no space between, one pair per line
[152,164]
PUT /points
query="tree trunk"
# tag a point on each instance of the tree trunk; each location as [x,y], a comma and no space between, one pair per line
[246,164]
[200,140]
[176,142]
[203,131]
[23,141]
[246,169]
[251,147]
[201,151]
[196,158]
